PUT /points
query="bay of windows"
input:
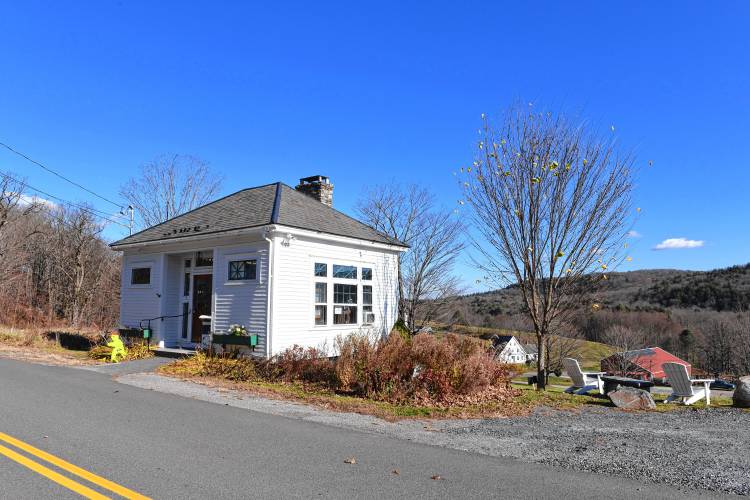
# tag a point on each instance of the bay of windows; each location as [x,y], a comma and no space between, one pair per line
[338,295]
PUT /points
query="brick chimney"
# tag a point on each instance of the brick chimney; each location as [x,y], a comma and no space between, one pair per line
[318,187]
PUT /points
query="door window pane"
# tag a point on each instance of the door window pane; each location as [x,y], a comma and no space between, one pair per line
[204,259]
[321,293]
[186,285]
[367,295]
[185,316]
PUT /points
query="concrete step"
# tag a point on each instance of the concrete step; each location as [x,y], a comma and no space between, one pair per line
[174,352]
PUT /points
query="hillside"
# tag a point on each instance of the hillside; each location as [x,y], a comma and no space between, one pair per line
[725,289]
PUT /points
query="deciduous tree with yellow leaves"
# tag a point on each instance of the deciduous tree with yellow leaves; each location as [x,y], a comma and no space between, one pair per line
[551,205]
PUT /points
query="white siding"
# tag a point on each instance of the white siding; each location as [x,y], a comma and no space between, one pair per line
[293,290]
[243,303]
[139,302]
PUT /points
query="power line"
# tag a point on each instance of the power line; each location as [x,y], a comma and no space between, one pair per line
[91,210]
[118,205]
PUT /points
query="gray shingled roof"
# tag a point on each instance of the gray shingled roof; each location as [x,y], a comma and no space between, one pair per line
[256,207]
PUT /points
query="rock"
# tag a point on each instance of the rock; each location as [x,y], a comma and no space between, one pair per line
[742,393]
[631,398]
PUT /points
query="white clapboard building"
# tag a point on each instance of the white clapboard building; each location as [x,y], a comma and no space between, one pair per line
[279,260]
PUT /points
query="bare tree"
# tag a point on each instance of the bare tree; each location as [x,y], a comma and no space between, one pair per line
[625,339]
[428,268]
[551,205]
[170,186]
[425,272]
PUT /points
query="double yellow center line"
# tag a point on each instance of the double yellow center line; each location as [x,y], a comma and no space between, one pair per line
[66,466]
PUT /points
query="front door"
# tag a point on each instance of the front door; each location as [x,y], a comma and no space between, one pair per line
[202,295]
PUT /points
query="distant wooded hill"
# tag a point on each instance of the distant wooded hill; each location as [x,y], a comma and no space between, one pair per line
[646,290]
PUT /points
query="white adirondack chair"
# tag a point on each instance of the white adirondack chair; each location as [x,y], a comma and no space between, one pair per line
[682,385]
[583,382]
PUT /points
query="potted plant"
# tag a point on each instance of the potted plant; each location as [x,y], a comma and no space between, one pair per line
[236,335]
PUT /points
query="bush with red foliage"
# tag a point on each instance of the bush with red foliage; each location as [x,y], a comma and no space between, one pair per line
[306,365]
[424,368]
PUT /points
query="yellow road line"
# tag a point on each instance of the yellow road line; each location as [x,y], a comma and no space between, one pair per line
[52,475]
[73,469]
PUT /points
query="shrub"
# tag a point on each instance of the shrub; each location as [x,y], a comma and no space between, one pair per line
[204,365]
[374,367]
[308,365]
[424,370]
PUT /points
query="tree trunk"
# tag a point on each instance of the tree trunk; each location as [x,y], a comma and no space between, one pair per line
[541,363]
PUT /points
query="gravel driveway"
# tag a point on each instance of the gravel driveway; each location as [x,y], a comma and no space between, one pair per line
[704,449]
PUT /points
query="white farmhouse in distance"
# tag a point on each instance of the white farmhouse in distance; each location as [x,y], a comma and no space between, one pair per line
[279,260]
[509,349]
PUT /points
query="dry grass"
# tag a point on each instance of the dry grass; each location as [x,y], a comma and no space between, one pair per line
[41,345]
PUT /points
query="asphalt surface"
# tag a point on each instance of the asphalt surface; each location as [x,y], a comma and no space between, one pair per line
[167,446]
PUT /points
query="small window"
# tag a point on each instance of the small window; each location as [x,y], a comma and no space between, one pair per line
[366,274]
[345,272]
[186,285]
[204,259]
[368,317]
[140,276]
[188,263]
[321,303]
[240,270]
[321,270]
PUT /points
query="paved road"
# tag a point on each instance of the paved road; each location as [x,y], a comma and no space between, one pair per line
[166,446]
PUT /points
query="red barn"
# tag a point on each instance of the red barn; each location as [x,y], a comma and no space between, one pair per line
[645,364]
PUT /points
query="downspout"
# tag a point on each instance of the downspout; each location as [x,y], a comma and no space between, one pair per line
[269,281]
[269,285]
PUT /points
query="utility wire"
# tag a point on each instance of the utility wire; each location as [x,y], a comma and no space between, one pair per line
[92,211]
[118,205]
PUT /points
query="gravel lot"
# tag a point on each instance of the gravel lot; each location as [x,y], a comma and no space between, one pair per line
[691,449]
[702,449]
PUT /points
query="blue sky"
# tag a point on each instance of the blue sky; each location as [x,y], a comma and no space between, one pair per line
[372,92]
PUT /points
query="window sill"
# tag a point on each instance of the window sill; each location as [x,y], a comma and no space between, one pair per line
[343,326]
[240,282]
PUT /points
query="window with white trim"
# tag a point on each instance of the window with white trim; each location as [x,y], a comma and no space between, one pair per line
[243,270]
[140,276]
